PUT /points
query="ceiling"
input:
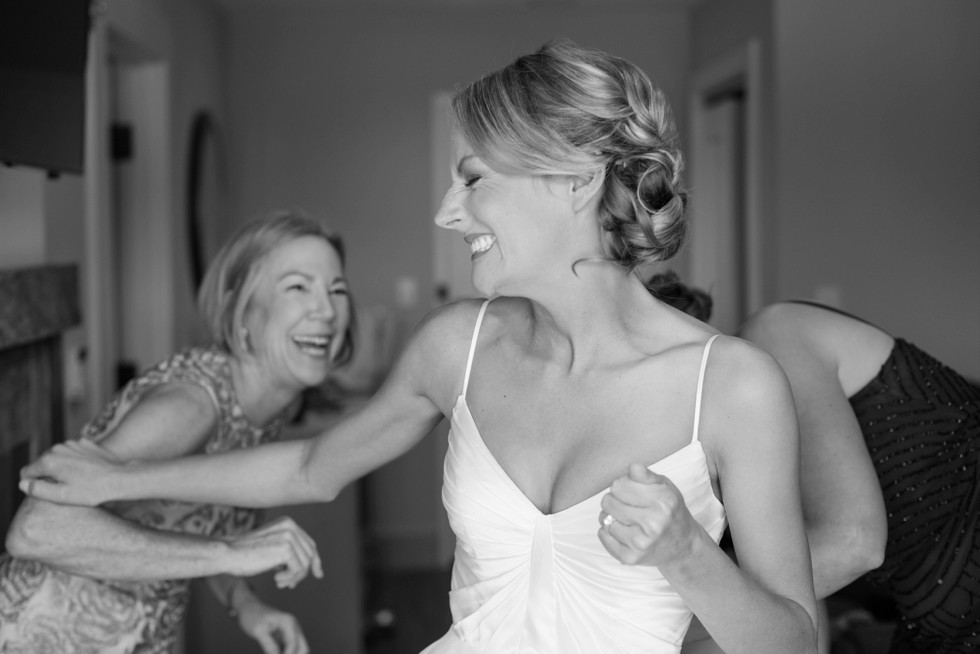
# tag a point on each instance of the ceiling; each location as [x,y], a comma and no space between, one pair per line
[457,4]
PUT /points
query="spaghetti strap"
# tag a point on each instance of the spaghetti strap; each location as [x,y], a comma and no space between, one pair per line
[469,359]
[697,401]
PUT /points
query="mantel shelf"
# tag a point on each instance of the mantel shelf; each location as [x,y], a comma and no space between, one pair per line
[37,303]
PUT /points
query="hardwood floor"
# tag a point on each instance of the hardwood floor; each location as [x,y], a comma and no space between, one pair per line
[862,619]
[406,610]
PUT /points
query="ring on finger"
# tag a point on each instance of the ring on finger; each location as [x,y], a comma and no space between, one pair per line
[607,521]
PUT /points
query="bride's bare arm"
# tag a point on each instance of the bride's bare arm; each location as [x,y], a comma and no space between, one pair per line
[406,408]
[765,603]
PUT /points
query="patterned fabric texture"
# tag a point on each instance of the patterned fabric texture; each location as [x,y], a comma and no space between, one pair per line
[46,611]
[921,424]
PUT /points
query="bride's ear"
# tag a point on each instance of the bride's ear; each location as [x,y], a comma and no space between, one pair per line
[586,188]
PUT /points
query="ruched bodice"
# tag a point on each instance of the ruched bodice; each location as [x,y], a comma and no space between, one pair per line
[524,581]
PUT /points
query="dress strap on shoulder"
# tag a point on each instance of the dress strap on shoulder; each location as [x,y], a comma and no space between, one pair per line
[697,401]
[476,334]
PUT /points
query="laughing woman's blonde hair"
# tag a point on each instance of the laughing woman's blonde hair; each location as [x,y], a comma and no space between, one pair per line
[233,276]
[566,109]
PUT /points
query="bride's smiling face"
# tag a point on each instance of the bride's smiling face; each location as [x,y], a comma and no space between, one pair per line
[511,222]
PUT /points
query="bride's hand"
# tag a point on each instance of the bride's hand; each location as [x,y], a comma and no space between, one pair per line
[74,472]
[645,521]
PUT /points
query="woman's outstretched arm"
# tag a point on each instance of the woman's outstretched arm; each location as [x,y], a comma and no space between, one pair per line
[400,414]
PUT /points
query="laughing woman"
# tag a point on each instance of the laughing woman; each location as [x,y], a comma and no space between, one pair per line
[595,431]
[116,581]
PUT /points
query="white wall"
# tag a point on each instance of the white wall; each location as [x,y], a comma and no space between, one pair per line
[330,110]
[879,164]
[187,38]
[21,217]
[873,156]
[718,28]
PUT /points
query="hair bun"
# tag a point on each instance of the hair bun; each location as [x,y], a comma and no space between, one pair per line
[646,204]
[667,287]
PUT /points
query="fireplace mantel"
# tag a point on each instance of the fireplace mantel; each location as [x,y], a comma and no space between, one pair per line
[36,305]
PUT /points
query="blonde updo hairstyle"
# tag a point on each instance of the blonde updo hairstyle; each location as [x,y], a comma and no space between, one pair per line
[566,109]
[233,276]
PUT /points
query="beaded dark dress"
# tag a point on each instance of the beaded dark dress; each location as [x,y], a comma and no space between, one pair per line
[921,424]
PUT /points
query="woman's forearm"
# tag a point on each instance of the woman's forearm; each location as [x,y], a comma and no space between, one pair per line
[293,472]
[265,476]
[95,543]
[739,613]
[843,552]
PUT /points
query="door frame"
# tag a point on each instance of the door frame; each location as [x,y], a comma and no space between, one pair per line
[740,67]
[139,322]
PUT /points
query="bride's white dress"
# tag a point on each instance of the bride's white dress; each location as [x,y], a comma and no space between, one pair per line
[528,582]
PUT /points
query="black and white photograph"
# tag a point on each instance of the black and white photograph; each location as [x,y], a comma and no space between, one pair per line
[490,326]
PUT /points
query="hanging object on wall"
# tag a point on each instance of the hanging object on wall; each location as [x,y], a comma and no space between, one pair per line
[204,194]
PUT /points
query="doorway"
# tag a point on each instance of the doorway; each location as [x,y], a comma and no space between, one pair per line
[128,272]
[726,221]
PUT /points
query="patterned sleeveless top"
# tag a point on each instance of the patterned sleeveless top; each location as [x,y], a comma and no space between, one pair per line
[44,610]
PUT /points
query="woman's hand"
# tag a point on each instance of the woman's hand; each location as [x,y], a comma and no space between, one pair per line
[280,545]
[277,632]
[78,472]
[645,521]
